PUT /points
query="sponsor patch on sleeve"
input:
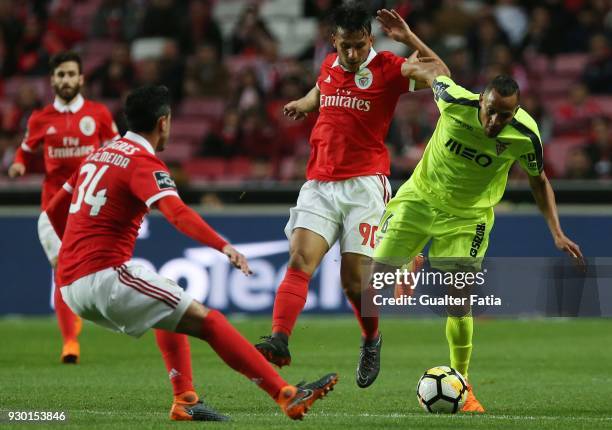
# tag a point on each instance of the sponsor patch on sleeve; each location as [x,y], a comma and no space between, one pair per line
[530,161]
[164,181]
[439,88]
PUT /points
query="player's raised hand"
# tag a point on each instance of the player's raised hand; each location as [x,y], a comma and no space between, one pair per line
[563,243]
[16,169]
[393,24]
[294,111]
[238,260]
[414,57]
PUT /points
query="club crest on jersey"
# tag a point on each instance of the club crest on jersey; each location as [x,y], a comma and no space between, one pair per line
[87,125]
[163,179]
[364,78]
[500,147]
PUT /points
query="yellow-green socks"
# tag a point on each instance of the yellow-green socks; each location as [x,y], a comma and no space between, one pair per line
[459,331]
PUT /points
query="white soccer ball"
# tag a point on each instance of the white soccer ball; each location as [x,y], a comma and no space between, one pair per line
[442,390]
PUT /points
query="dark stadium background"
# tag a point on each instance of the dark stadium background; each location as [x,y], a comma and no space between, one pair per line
[232,64]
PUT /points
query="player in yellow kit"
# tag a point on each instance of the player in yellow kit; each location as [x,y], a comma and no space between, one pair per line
[450,197]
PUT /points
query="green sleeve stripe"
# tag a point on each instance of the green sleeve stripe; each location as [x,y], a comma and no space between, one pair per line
[535,140]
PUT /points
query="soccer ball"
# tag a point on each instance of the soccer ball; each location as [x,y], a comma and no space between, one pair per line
[442,390]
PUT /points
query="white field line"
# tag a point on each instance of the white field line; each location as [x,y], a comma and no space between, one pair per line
[368,415]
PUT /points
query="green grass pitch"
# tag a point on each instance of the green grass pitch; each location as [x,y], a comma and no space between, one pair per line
[531,374]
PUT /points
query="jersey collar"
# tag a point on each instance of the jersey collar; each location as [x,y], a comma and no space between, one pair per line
[134,137]
[73,107]
[363,65]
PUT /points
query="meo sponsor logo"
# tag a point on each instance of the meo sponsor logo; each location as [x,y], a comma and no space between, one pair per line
[482,159]
[164,180]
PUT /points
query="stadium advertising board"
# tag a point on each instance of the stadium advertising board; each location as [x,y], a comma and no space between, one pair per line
[527,280]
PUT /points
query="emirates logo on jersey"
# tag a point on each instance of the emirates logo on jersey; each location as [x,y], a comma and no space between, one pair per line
[343,99]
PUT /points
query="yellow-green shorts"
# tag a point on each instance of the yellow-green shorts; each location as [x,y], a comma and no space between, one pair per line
[410,222]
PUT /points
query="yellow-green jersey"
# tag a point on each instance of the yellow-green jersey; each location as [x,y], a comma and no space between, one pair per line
[463,170]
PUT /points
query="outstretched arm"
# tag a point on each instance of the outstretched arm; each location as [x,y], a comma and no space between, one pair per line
[424,70]
[300,108]
[397,29]
[188,222]
[545,199]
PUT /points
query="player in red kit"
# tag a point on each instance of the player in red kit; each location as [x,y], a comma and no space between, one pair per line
[98,213]
[68,130]
[346,189]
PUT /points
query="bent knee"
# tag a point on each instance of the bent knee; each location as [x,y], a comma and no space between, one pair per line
[301,259]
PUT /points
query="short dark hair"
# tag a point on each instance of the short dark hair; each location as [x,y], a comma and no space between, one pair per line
[352,16]
[145,105]
[62,57]
[505,85]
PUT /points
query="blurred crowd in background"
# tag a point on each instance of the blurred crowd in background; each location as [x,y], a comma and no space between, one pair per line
[232,64]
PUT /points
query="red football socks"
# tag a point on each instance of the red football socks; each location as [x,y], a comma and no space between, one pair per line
[290,300]
[66,319]
[239,354]
[369,324]
[176,353]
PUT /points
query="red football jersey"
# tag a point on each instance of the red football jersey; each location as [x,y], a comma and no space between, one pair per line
[68,134]
[355,111]
[113,190]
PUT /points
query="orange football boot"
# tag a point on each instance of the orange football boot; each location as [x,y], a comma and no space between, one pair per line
[471,403]
[187,406]
[296,400]
[71,352]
